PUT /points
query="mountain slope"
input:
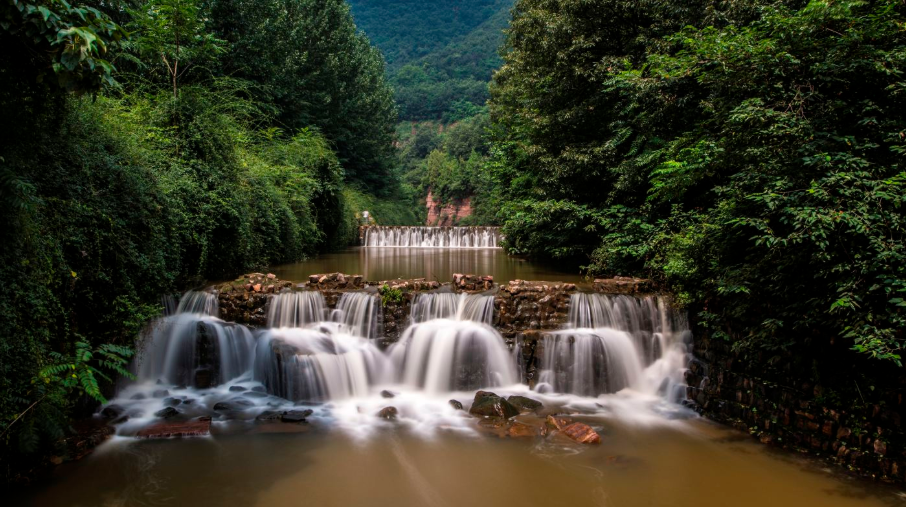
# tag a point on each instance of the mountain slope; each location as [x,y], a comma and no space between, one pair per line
[440,54]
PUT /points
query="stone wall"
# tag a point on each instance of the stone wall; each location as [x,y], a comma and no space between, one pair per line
[780,403]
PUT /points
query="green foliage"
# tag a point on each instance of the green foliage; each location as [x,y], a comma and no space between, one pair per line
[317,71]
[182,174]
[748,156]
[71,40]
[388,295]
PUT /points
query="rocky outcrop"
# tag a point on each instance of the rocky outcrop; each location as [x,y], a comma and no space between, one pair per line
[244,300]
[622,285]
[447,214]
[487,404]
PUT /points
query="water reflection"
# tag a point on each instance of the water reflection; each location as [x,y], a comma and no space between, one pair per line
[430,263]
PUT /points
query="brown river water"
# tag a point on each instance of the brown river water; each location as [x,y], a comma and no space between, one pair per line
[653,452]
[687,464]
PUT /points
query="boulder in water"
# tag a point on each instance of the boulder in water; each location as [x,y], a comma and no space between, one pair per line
[525,404]
[254,394]
[455,404]
[161,393]
[259,389]
[582,433]
[137,396]
[167,413]
[487,404]
[388,413]
[237,389]
[172,402]
[387,394]
[295,416]
[112,411]
[222,406]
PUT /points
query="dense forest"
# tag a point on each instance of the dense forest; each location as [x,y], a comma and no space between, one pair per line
[440,53]
[148,147]
[748,156]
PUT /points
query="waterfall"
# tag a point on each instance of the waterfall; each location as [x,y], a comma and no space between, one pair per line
[359,313]
[296,309]
[195,350]
[616,342]
[432,237]
[317,363]
[447,305]
[204,303]
[450,345]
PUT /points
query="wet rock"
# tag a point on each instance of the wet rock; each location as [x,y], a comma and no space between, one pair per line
[455,404]
[525,404]
[237,389]
[241,402]
[204,378]
[222,406]
[488,404]
[167,413]
[161,393]
[172,402]
[295,416]
[138,396]
[269,415]
[259,389]
[582,433]
[557,423]
[254,394]
[387,394]
[388,413]
[112,411]
[195,428]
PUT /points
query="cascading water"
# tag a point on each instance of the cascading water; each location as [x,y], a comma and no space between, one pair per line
[318,363]
[359,313]
[194,348]
[616,342]
[447,305]
[432,237]
[296,309]
[451,347]
[204,303]
[305,357]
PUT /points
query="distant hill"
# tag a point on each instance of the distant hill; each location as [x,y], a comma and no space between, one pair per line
[440,53]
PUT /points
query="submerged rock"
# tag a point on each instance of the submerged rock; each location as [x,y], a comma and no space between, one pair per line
[488,404]
[522,430]
[259,389]
[525,404]
[557,423]
[237,389]
[161,393]
[167,413]
[455,404]
[296,416]
[387,394]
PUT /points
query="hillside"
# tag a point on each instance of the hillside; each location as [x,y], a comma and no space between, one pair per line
[440,54]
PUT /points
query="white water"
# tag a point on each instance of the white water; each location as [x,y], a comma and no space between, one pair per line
[614,343]
[176,347]
[447,305]
[359,313]
[432,237]
[311,355]
[296,309]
